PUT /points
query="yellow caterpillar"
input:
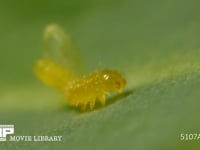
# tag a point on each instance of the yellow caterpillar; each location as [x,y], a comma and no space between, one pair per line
[58,69]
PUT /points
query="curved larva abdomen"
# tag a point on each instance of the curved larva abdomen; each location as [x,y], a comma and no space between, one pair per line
[52,74]
[80,92]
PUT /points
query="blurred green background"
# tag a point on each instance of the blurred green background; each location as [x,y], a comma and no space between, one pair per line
[154,44]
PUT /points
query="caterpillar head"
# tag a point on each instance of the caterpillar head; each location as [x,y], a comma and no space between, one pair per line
[113,81]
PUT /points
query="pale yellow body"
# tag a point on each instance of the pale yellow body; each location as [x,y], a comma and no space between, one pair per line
[79,91]
[85,91]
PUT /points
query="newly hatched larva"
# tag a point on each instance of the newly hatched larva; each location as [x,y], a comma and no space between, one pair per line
[59,69]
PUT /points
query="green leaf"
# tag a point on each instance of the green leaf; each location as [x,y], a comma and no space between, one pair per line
[154,44]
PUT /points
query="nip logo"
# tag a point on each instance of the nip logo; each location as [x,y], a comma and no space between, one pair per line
[5,130]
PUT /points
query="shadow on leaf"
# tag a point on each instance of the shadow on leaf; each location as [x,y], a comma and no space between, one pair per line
[110,100]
